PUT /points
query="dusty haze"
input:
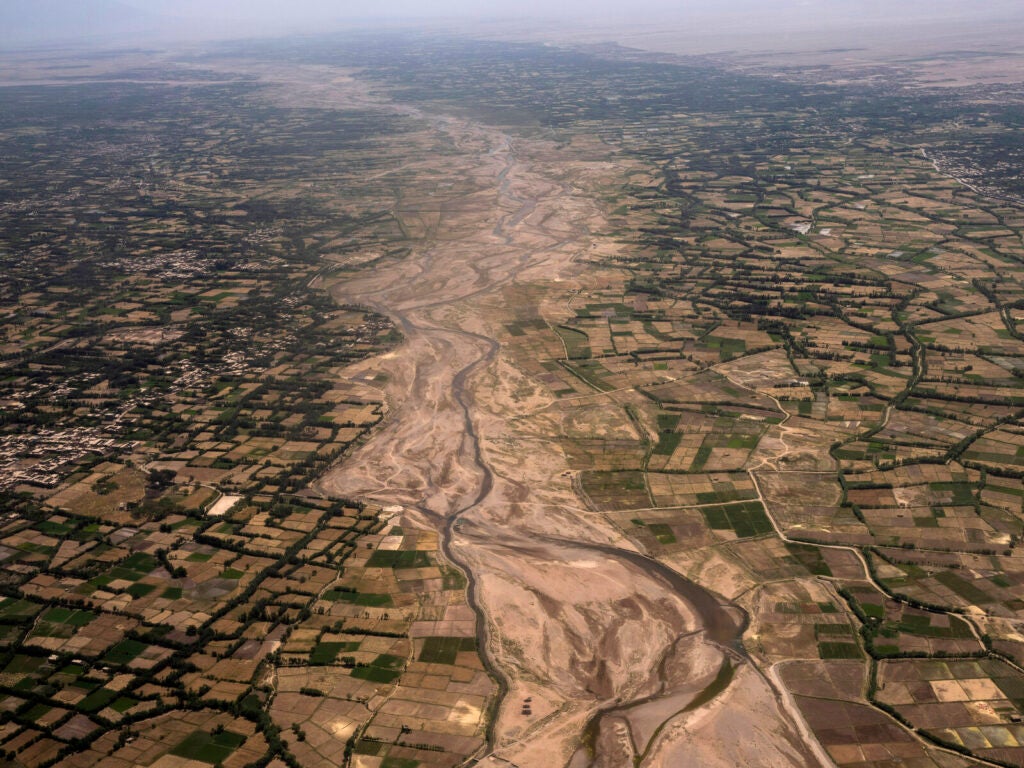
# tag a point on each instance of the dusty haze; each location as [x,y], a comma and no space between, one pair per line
[699,26]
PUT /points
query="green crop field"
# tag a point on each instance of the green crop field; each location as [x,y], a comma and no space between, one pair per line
[209,748]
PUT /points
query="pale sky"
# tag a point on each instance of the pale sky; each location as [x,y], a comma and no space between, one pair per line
[849,10]
[761,21]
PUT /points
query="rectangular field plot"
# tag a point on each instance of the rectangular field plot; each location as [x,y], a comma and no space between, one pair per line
[385,668]
[13,609]
[806,505]
[851,732]
[934,579]
[837,649]
[896,628]
[209,748]
[577,343]
[744,519]
[970,704]
[609,491]
[328,652]
[445,650]
[398,559]
[603,455]
[357,598]
[1000,447]
[672,490]
[716,440]
[670,529]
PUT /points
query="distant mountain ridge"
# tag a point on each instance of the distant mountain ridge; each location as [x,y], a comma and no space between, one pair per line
[28,22]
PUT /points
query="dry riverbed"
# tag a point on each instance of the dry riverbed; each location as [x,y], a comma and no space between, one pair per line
[610,648]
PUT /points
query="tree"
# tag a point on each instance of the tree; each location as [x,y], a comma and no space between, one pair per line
[159,479]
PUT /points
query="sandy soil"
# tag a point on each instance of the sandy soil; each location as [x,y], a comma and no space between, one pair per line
[571,616]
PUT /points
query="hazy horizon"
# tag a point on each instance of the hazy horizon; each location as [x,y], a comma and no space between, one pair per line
[713,25]
[583,10]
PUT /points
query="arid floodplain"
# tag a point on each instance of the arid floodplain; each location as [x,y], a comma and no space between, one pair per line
[428,401]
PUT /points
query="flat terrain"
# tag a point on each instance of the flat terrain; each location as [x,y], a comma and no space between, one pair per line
[433,401]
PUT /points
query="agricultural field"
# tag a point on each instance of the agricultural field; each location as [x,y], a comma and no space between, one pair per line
[174,593]
[971,705]
[828,694]
[794,374]
[757,332]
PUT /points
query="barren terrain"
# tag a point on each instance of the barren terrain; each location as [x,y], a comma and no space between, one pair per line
[574,620]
